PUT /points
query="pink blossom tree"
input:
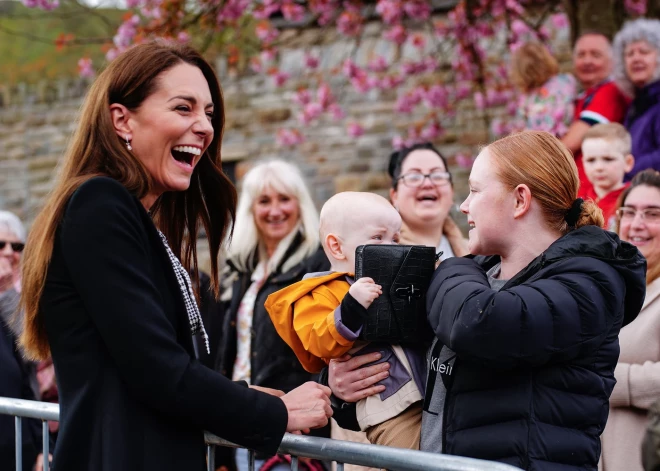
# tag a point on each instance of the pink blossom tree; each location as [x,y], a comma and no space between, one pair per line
[440,61]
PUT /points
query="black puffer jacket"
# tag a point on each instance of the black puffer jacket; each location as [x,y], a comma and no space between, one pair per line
[535,361]
[273,363]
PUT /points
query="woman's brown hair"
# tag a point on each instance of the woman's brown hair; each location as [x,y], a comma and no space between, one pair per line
[650,178]
[532,65]
[540,160]
[95,149]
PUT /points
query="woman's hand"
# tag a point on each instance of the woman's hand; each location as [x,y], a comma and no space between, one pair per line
[308,407]
[350,382]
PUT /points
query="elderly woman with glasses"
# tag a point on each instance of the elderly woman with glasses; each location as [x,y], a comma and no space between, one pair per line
[638,371]
[637,73]
[17,376]
[12,242]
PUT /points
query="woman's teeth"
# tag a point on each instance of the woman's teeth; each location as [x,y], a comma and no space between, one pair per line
[188,149]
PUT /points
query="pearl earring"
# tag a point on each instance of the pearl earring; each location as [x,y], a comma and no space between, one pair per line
[128,144]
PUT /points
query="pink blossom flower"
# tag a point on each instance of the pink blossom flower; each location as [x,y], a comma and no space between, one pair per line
[336,112]
[436,97]
[255,65]
[350,69]
[355,130]
[515,7]
[396,34]
[463,160]
[183,37]
[441,29]
[390,10]
[311,111]
[463,90]
[268,8]
[47,5]
[418,41]
[417,9]
[111,54]
[378,64]
[390,82]
[519,27]
[265,32]
[292,11]
[126,32]
[349,22]
[397,143]
[635,7]
[325,9]
[232,10]
[324,95]
[430,64]
[302,97]
[512,108]
[280,78]
[134,3]
[559,21]
[479,100]
[85,68]
[289,137]
[361,83]
[311,62]
[267,55]
[432,131]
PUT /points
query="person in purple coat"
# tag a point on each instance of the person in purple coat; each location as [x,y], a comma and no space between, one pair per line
[637,73]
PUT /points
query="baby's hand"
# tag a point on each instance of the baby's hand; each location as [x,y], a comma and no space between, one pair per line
[365,290]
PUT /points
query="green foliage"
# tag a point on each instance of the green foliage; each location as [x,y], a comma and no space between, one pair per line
[37,45]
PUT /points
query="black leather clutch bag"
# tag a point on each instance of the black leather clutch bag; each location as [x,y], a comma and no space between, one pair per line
[404,272]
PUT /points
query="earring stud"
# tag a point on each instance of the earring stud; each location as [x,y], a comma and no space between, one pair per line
[128,144]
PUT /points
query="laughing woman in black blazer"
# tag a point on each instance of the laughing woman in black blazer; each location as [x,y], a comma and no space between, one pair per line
[106,288]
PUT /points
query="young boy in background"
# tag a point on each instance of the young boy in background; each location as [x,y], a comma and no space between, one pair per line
[321,317]
[607,158]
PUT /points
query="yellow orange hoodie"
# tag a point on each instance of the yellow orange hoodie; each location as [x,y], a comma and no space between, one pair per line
[304,316]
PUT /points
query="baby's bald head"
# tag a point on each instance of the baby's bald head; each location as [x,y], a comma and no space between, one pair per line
[355,218]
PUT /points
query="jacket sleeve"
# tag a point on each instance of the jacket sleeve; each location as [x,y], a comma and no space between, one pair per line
[566,315]
[107,252]
[636,385]
[317,323]
[650,159]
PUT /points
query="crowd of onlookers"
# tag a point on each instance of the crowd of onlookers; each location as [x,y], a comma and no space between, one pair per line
[612,128]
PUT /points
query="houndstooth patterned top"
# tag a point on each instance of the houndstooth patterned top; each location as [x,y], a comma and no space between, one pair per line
[195,318]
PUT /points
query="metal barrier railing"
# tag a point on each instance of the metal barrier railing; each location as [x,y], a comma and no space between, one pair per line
[325,449]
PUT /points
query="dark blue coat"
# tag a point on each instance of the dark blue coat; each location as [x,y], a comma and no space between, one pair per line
[535,361]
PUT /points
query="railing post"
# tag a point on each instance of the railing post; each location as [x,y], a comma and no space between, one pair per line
[250,460]
[294,463]
[210,458]
[46,444]
[19,443]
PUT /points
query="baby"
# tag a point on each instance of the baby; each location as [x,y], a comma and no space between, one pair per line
[321,317]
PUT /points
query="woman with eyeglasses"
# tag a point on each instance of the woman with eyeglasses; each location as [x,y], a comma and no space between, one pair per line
[17,376]
[423,193]
[12,242]
[638,371]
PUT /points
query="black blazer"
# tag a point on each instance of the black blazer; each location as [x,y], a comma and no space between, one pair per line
[132,395]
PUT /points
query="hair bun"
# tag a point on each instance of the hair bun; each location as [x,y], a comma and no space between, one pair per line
[590,215]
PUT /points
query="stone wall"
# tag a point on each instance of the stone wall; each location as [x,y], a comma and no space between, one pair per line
[36,122]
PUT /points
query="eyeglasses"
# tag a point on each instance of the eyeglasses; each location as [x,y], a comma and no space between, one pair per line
[416,179]
[650,215]
[15,246]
